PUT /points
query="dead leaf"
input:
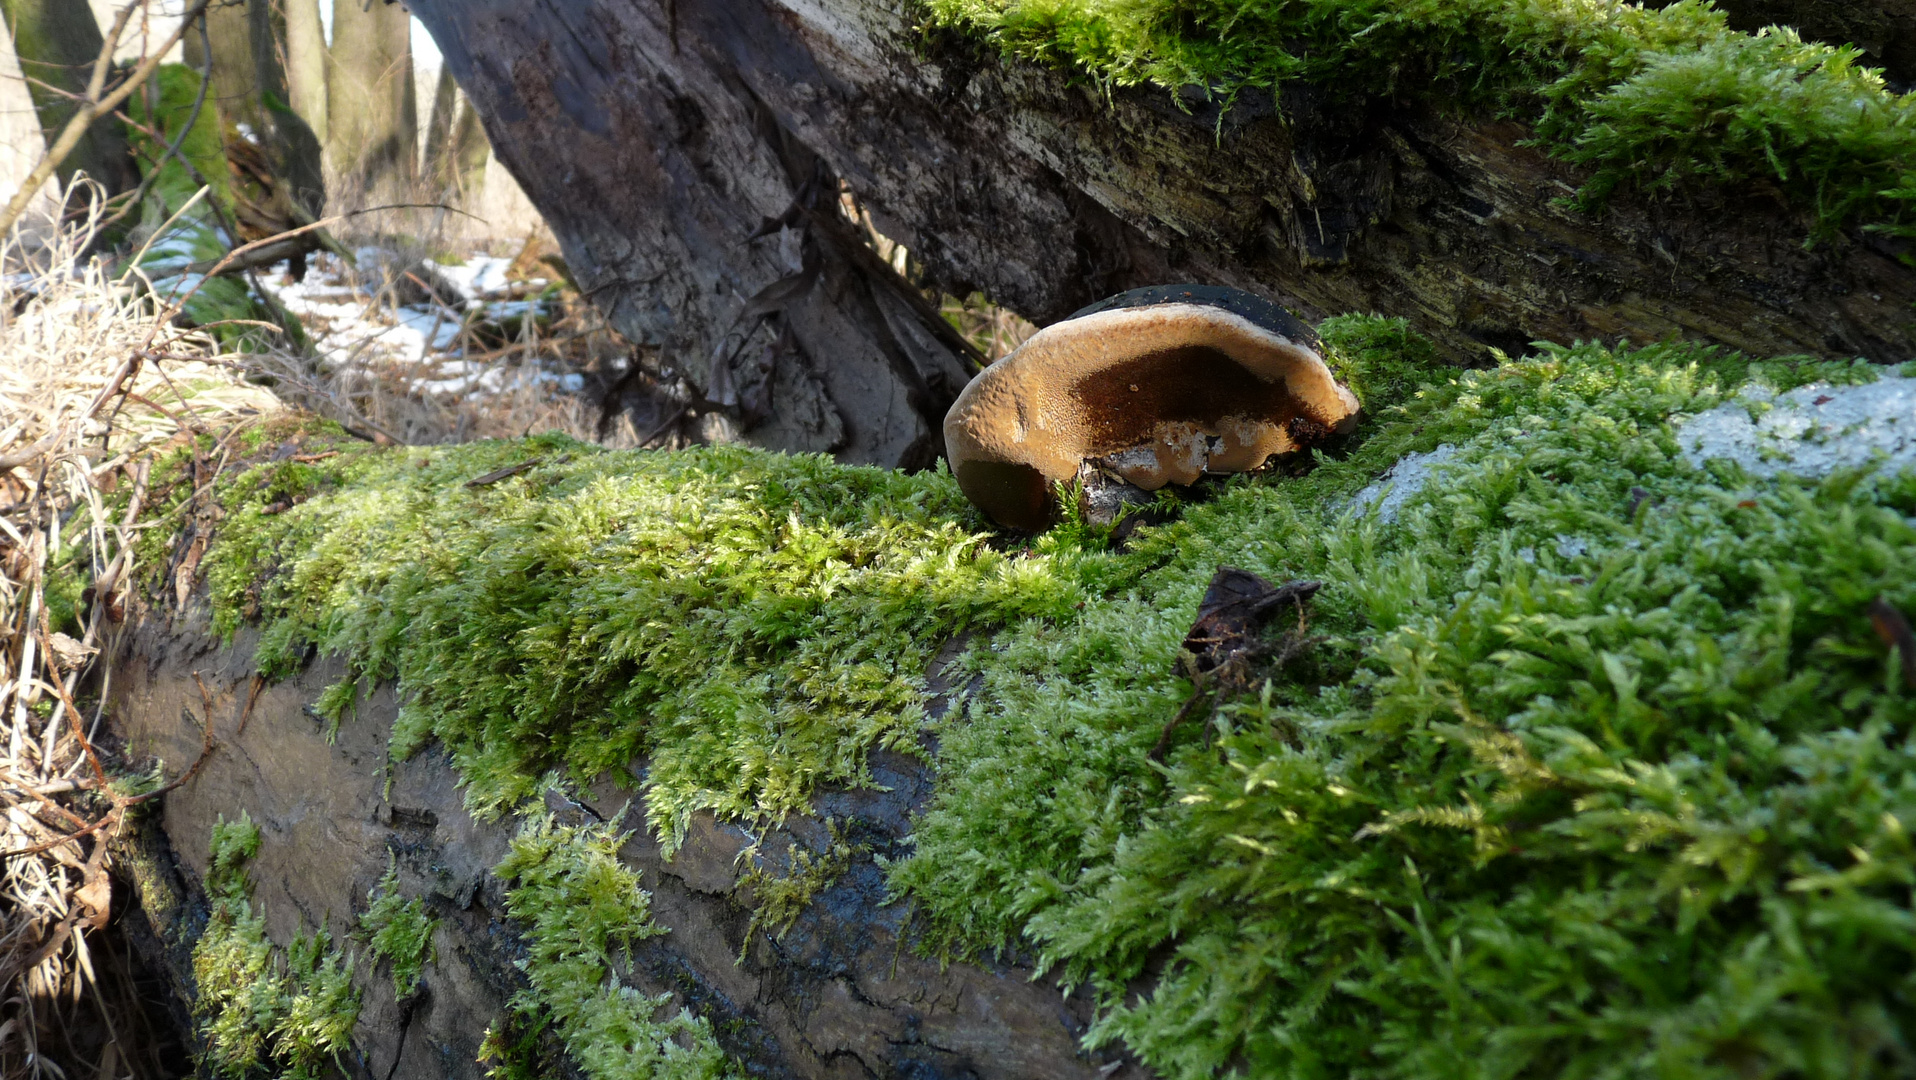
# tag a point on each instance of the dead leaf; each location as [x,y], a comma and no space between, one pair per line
[68,652]
[1227,638]
[1232,614]
[96,899]
[1893,627]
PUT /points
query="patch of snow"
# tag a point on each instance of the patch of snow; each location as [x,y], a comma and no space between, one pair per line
[1411,474]
[350,330]
[431,323]
[1811,431]
[1572,547]
[478,276]
[512,309]
[172,287]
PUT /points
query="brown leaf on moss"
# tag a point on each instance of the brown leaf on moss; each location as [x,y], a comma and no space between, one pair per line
[1893,627]
[1226,639]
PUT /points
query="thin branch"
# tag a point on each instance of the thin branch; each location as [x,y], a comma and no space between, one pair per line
[172,149]
[72,710]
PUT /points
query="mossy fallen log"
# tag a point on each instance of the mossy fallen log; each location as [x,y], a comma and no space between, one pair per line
[480,947]
[1497,172]
[1597,763]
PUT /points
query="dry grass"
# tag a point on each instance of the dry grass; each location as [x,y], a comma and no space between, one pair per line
[91,374]
[996,331]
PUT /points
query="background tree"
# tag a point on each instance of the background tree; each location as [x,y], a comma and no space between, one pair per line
[249,87]
[57,42]
[372,116]
[306,63]
[456,147]
[445,101]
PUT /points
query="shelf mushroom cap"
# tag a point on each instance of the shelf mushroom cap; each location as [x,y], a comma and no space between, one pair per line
[1158,385]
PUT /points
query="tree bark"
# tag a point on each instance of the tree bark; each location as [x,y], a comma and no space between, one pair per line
[306,64]
[238,33]
[372,115]
[57,42]
[667,142]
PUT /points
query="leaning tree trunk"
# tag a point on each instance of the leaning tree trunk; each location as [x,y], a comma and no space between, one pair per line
[57,42]
[372,116]
[690,158]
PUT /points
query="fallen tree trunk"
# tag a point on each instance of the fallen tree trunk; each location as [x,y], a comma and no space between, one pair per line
[841,992]
[691,158]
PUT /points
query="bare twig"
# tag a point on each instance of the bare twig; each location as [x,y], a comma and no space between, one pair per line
[172,149]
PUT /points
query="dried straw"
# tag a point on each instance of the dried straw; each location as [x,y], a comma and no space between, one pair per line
[92,378]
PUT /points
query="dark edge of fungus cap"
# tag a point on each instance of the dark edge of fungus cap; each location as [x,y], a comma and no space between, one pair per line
[1156,385]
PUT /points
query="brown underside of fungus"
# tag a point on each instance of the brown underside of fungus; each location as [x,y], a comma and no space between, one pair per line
[1160,392]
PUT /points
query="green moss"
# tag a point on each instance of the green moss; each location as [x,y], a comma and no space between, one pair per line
[398,930]
[510,1049]
[779,899]
[1598,766]
[166,113]
[582,906]
[1657,100]
[233,846]
[65,584]
[1628,806]
[750,624]
[262,1014]
[1382,360]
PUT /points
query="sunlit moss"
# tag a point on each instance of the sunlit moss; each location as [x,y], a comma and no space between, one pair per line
[752,624]
[1617,784]
[1656,99]
[398,930]
[581,905]
[778,899]
[1597,767]
[289,1015]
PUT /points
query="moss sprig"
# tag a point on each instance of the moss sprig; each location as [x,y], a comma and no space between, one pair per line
[264,1012]
[398,930]
[584,909]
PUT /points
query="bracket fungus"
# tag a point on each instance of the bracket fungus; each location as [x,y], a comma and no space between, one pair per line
[1157,386]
